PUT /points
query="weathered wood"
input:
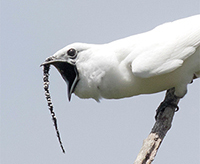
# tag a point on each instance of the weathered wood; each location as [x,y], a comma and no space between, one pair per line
[164,117]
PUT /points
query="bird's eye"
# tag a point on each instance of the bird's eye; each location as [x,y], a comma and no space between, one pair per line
[71,52]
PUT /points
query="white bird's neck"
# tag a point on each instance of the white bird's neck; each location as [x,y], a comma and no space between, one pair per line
[102,69]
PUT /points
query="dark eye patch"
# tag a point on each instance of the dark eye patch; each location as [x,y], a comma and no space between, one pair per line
[46,68]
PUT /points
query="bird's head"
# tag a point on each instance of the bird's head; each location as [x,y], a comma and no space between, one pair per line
[65,61]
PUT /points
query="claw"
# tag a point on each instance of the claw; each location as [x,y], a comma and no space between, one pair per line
[164,105]
[171,100]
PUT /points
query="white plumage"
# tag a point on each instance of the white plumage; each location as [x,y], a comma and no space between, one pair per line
[165,57]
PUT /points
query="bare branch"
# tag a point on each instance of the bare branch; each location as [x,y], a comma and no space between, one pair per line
[164,117]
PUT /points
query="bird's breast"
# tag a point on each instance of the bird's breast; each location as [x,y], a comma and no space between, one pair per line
[110,81]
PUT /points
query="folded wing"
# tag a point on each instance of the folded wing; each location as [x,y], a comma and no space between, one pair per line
[166,47]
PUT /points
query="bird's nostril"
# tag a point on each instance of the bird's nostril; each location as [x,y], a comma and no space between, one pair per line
[49,59]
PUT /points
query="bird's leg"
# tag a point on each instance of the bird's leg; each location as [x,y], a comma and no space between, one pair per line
[170,100]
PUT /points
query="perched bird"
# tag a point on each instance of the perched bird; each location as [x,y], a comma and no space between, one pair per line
[167,56]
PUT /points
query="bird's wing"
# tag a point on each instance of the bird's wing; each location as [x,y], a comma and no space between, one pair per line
[165,48]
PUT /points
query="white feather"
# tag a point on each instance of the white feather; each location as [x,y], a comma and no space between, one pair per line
[165,57]
[170,45]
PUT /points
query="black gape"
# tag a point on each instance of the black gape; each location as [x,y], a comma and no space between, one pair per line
[46,68]
[69,73]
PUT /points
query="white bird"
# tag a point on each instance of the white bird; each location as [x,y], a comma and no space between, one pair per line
[167,56]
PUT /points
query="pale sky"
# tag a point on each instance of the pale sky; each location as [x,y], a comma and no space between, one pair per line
[109,132]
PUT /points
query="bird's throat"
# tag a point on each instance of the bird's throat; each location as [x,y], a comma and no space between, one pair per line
[70,75]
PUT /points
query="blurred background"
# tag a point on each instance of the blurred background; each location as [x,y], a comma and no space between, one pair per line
[109,132]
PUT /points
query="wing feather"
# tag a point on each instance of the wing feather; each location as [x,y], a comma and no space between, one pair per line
[165,48]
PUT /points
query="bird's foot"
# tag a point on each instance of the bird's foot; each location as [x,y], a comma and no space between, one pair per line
[170,101]
[163,106]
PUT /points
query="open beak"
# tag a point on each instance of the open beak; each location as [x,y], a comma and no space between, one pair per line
[67,70]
